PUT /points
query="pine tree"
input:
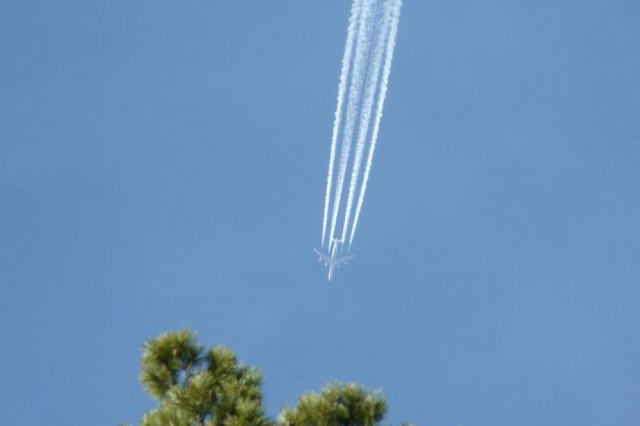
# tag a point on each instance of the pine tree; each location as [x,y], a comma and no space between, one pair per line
[198,387]
[337,405]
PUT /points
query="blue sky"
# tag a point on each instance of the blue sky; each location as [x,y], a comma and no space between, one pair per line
[162,165]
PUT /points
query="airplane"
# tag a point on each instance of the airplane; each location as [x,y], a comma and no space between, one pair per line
[331,260]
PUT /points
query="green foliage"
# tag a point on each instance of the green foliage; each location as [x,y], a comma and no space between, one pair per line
[337,405]
[166,358]
[198,387]
[195,388]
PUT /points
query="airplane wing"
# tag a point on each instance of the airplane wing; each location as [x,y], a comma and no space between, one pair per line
[324,257]
[341,260]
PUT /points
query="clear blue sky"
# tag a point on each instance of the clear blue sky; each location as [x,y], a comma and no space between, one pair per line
[162,164]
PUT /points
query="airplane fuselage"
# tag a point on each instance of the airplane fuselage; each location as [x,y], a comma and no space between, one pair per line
[334,252]
[331,259]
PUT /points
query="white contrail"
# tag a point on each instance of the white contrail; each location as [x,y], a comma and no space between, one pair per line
[352,107]
[356,9]
[383,92]
[381,30]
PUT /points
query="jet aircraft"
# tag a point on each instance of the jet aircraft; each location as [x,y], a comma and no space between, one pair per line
[331,260]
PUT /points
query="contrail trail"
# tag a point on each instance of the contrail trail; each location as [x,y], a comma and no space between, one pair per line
[352,107]
[383,92]
[356,10]
[381,30]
